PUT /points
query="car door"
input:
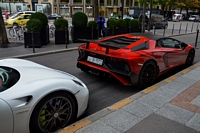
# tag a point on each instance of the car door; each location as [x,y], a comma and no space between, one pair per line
[23,20]
[175,55]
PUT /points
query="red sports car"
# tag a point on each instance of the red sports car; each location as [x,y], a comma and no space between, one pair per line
[134,59]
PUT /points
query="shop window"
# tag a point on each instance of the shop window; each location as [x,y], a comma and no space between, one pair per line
[64,1]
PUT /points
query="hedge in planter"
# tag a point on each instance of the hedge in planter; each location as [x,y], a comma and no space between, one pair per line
[121,27]
[112,23]
[135,25]
[93,27]
[61,32]
[45,28]
[34,27]
[79,29]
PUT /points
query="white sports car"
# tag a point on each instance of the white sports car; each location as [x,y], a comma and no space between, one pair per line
[38,99]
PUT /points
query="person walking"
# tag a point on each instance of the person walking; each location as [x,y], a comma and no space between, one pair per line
[100,22]
[6,15]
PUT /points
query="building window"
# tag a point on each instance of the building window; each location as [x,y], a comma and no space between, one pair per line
[63,1]
[128,3]
[136,4]
[108,2]
[77,2]
[115,2]
[101,2]
[88,1]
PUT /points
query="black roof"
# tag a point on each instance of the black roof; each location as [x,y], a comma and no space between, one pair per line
[149,35]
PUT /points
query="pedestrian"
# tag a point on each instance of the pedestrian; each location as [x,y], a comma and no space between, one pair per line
[6,15]
[100,21]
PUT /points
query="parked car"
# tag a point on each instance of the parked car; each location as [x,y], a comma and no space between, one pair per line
[18,13]
[197,18]
[18,20]
[38,99]
[191,18]
[134,59]
[54,16]
[177,17]
[157,21]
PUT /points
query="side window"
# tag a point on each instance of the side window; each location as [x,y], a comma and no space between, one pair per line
[26,17]
[171,43]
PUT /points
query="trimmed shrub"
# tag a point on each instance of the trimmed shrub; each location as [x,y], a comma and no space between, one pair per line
[127,21]
[79,19]
[93,24]
[61,24]
[40,16]
[121,23]
[34,25]
[134,23]
[112,22]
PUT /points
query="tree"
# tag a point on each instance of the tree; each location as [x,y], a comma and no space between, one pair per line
[3,35]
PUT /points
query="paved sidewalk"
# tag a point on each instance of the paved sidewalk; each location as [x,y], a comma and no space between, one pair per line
[170,106]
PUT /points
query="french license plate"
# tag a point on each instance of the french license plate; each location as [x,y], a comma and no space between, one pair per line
[95,60]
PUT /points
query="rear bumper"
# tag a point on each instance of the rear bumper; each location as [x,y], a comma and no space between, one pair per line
[128,80]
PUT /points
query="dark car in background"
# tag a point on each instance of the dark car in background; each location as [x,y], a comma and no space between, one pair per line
[54,16]
[157,21]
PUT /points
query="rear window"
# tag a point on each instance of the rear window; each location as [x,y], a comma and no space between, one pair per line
[8,77]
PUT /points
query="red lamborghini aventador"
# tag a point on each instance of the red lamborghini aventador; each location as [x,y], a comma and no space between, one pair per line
[134,59]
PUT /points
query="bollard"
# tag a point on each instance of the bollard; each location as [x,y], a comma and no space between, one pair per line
[33,43]
[164,31]
[173,29]
[92,32]
[186,28]
[192,27]
[180,28]
[196,38]
[198,25]
[154,29]
[66,36]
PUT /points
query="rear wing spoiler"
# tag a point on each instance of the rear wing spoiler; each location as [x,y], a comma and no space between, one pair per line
[102,44]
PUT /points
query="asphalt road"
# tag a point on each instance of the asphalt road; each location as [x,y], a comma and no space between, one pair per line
[103,92]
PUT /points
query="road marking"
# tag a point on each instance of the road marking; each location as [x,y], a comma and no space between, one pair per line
[170,79]
[75,126]
[120,104]
[150,89]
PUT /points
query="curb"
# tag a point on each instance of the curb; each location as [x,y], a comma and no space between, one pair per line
[102,113]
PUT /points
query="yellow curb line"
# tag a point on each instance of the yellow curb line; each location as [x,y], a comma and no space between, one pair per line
[76,126]
[150,89]
[196,65]
[185,71]
[170,79]
[120,104]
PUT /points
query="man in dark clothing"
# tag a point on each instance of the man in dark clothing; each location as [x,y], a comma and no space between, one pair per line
[100,21]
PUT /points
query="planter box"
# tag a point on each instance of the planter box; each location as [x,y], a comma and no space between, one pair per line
[45,35]
[136,30]
[37,39]
[60,37]
[121,31]
[83,33]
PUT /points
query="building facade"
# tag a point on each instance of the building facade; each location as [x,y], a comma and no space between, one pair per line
[68,7]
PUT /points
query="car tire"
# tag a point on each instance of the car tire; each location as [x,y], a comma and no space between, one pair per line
[15,25]
[147,75]
[52,113]
[190,58]
[165,26]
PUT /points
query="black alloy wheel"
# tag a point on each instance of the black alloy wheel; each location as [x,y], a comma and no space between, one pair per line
[190,58]
[147,75]
[52,113]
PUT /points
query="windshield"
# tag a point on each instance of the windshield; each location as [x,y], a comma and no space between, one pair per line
[8,77]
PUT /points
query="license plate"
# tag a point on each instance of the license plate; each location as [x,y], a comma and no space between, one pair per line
[95,60]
